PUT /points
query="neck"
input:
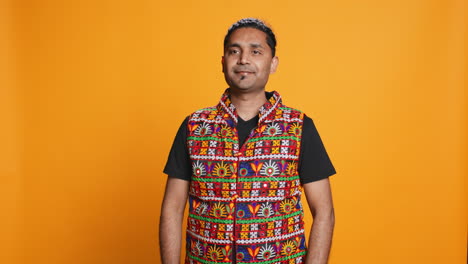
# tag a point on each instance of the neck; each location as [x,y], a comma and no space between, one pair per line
[248,104]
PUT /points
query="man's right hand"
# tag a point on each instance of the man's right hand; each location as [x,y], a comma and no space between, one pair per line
[170,225]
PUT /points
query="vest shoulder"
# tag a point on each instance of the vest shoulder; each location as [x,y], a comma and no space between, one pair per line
[291,109]
[203,112]
[293,112]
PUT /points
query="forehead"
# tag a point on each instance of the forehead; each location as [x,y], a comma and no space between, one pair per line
[247,36]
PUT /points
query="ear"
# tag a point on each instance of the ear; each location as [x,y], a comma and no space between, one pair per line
[222,63]
[274,64]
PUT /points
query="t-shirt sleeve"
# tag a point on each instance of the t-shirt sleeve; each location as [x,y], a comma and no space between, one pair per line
[314,163]
[178,163]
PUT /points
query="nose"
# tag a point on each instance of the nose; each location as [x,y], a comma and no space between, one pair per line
[243,58]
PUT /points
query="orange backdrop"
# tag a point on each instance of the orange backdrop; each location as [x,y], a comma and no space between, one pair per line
[92,93]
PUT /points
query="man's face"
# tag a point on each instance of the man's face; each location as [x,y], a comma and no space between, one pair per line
[247,61]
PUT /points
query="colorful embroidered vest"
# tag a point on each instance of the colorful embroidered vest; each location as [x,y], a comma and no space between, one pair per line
[244,201]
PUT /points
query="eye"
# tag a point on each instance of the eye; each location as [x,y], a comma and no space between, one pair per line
[233,51]
[256,52]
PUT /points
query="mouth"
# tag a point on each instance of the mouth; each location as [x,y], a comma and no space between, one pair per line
[244,73]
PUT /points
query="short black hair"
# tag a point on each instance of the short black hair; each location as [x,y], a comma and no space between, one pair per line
[257,24]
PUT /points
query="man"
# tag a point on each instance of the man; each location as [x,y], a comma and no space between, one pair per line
[243,165]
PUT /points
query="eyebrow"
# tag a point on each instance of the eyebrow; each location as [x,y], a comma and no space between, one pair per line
[255,45]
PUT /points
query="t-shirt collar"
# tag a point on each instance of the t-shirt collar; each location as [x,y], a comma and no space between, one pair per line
[266,111]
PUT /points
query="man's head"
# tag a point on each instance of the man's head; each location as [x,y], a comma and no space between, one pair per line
[249,55]
[257,24]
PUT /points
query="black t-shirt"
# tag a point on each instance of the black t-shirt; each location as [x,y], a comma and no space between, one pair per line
[314,163]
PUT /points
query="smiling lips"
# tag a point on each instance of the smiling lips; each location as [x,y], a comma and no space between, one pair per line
[244,73]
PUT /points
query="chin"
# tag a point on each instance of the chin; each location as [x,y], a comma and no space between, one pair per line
[241,87]
[244,89]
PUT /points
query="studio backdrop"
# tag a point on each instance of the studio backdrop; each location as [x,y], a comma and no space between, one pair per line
[93,92]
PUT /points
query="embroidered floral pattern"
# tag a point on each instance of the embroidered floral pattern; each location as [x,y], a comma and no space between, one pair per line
[197,249]
[198,169]
[295,129]
[214,253]
[225,131]
[288,248]
[270,168]
[221,170]
[273,129]
[203,130]
[267,252]
[266,210]
[286,206]
[218,210]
